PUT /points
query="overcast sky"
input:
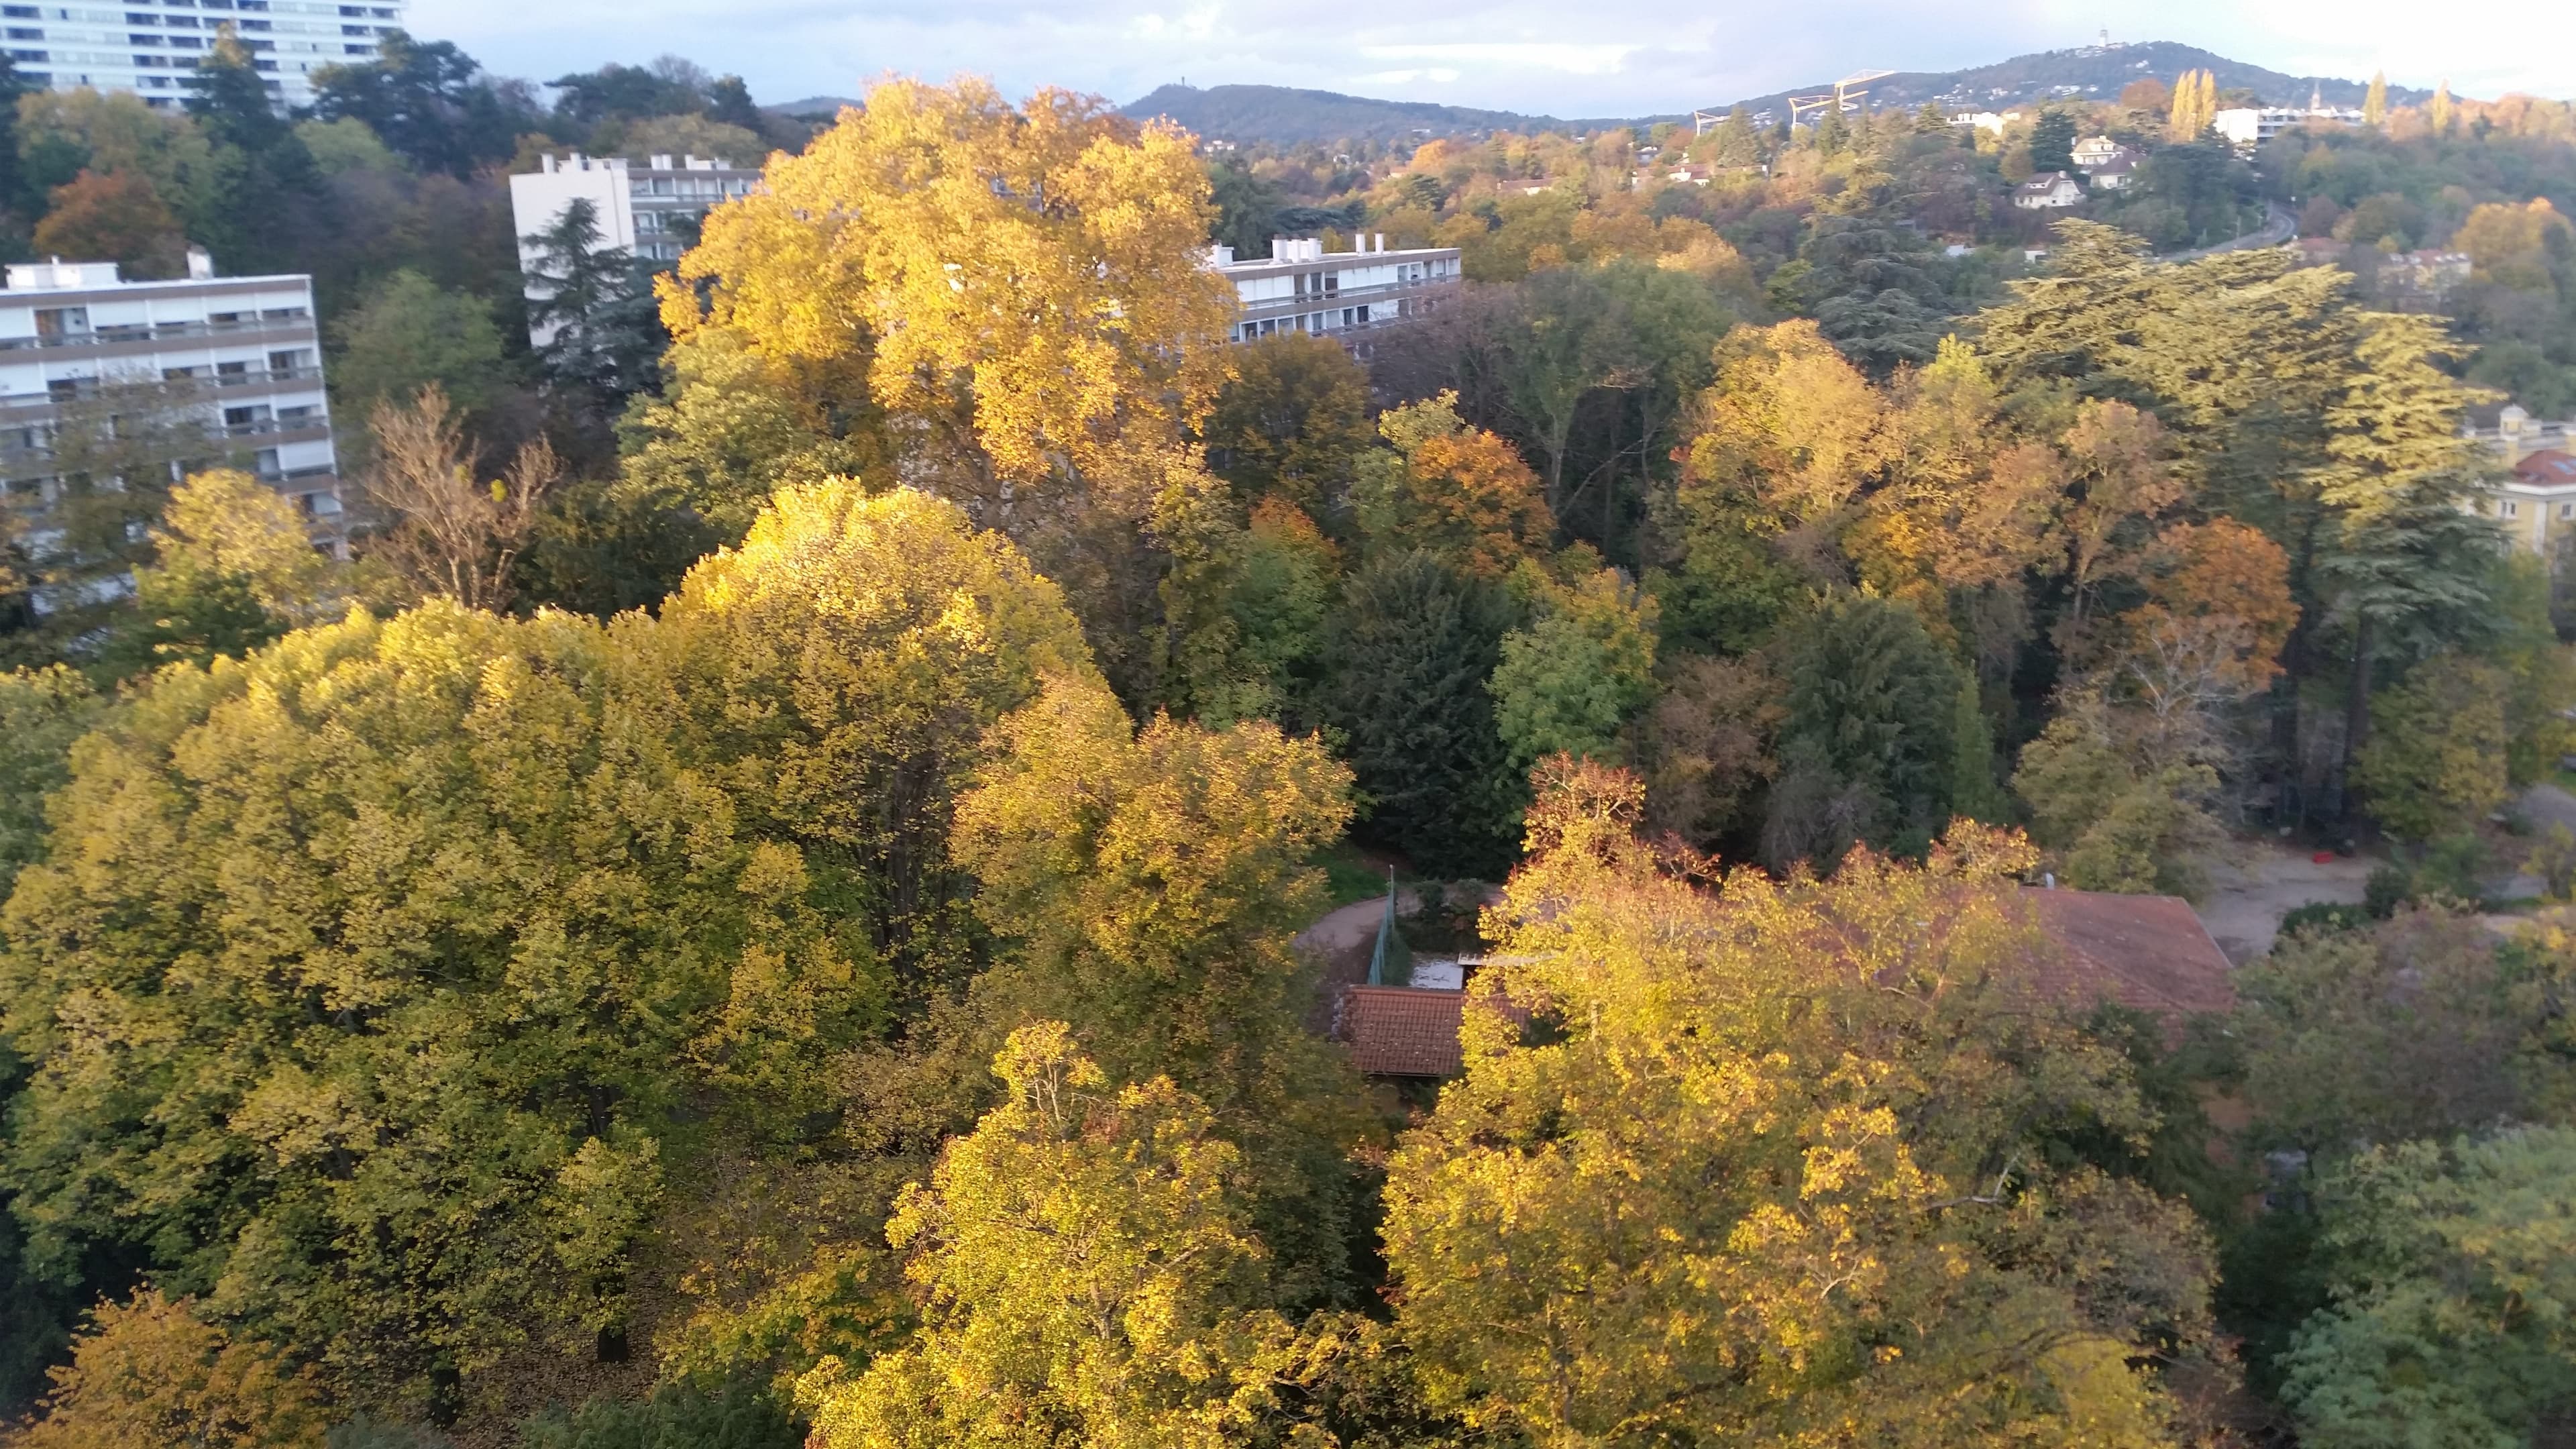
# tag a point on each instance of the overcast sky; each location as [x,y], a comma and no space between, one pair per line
[1566,59]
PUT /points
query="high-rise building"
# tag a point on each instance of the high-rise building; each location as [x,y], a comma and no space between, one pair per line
[170,377]
[650,212]
[149,46]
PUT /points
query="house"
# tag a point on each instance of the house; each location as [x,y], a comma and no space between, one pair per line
[2422,281]
[2535,501]
[2092,151]
[2047,191]
[2115,174]
[2147,953]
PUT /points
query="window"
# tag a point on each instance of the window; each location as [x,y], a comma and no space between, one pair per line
[282,314]
[25,32]
[36,55]
[137,17]
[2512,509]
[287,360]
[21,12]
[2567,510]
[62,321]
[232,369]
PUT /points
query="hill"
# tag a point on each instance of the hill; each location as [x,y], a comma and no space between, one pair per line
[1286,116]
[2094,72]
[824,106]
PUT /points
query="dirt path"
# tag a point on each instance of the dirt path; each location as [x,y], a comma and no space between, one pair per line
[2251,891]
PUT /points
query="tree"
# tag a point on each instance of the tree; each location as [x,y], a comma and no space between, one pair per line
[150,1372]
[2540,675]
[1728,1214]
[418,931]
[1411,648]
[1146,885]
[1036,339]
[2120,800]
[2418,1028]
[1790,423]
[1709,738]
[2052,142]
[2451,1289]
[2374,102]
[2436,762]
[409,334]
[1292,422]
[1866,748]
[1247,210]
[1086,1269]
[2442,110]
[1572,681]
[602,328]
[1456,491]
[265,181]
[450,536]
[42,711]
[428,100]
[234,568]
[115,217]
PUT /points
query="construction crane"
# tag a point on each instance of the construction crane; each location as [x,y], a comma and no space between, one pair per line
[1850,88]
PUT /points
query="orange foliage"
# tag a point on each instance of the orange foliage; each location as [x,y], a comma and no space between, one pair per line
[114,216]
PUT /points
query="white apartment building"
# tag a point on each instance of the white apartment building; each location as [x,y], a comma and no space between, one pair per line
[1300,287]
[149,46]
[650,211]
[246,349]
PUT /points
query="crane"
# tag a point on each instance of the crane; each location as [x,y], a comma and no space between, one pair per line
[1850,88]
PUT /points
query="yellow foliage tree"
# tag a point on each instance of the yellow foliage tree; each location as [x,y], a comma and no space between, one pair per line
[1025,282]
[1765,1178]
[150,1372]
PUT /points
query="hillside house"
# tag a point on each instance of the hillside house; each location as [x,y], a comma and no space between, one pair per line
[2049,190]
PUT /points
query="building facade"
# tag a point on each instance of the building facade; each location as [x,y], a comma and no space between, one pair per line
[231,366]
[2535,501]
[2048,191]
[1300,287]
[651,211]
[149,46]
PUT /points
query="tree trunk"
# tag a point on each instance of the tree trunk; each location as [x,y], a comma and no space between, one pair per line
[2356,716]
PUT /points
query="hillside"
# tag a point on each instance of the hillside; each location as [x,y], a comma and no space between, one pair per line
[1283,115]
[1286,116]
[2097,72]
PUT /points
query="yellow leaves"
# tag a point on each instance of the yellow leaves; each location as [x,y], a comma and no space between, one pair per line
[1790,421]
[1034,272]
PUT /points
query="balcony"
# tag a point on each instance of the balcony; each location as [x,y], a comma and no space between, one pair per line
[115,335]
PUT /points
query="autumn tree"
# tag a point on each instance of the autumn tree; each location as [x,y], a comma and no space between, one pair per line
[115,217]
[234,567]
[149,1371]
[1709,745]
[1086,1268]
[1457,491]
[1785,1041]
[450,536]
[42,711]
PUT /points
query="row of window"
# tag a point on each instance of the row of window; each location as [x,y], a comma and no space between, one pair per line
[2512,509]
[1334,320]
[137,17]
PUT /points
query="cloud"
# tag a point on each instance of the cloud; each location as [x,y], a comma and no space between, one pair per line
[1528,55]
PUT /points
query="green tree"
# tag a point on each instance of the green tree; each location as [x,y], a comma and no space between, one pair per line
[41,712]
[1410,650]
[2436,761]
[234,567]
[429,101]
[2540,676]
[1578,675]
[266,186]
[2453,1281]
[408,334]
[2052,141]
[1866,748]
[603,329]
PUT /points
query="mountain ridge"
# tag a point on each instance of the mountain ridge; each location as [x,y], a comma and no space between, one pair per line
[1287,114]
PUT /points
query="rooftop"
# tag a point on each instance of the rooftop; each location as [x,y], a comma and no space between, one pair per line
[2149,953]
[2548,468]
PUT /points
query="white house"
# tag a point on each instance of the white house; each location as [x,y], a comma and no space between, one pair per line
[1300,287]
[650,211]
[2092,151]
[245,352]
[2048,190]
[2116,174]
[149,46]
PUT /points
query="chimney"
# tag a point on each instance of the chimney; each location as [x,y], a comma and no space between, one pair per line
[1282,249]
[1381,241]
[662,161]
[201,264]
[550,163]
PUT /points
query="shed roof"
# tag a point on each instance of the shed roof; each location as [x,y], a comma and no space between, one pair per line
[1402,1031]
[2150,953]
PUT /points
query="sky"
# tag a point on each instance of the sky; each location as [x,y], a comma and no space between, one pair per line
[1578,59]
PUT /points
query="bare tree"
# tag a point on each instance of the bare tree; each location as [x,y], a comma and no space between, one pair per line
[450,534]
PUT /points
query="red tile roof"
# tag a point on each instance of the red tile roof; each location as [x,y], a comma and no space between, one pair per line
[1401,1031]
[2547,468]
[2150,953]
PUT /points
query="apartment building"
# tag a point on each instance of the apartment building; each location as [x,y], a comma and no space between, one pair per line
[233,366]
[1300,287]
[650,211]
[149,46]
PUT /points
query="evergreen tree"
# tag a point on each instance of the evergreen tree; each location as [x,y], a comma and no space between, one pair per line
[266,185]
[429,101]
[1868,748]
[1973,789]
[2052,142]
[605,325]
[1931,120]
[729,101]
[1411,649]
